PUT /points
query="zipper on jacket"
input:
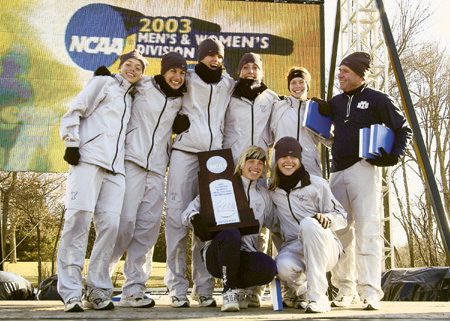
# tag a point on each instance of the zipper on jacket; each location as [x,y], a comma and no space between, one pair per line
[298,119]
[154,132]
[253,120]
[121,128]
[350,98]
[248,192]
[290,208]
[209,118]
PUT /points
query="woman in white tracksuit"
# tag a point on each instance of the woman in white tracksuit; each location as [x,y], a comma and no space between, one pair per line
[288,116]
[208,94]
[93,130]
[229,256]
[147,150]
[247,123]
[308,214]
[248,113]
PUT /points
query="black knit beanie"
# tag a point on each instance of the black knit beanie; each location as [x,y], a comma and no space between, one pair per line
[172,60]
[299,72]
[288,146]
[210,46]
[360,62]
[250,57]
[133,54]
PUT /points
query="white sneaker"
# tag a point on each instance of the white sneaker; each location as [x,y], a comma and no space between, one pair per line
[289,302]
[230,301]
[301,302]
[371,304]
[180,302]
[207,302]
[316,307]
[254,300]
[138,300]
[242,299]
[98,299]
[73,305]
[343,300]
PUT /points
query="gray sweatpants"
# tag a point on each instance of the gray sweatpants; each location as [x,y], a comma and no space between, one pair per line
[357,188]
[140,221]
[182,188]
[91,192]
[308,259]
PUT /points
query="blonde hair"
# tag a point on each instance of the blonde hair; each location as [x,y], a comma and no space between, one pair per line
[252,152]
[274,177]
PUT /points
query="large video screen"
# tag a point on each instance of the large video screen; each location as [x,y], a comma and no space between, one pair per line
[49,50]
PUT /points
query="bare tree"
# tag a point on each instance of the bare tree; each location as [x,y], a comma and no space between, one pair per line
[425,66]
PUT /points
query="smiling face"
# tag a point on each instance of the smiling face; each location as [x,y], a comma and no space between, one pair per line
[174,77]
[252,169]
[348,79]
[213,61]
[298,88]
[288,165]
[132,70]
[251,70]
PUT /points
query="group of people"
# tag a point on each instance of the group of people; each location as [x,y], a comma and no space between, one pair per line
[118,137]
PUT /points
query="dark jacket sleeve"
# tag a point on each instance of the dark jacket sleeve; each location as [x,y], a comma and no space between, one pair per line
[392,117]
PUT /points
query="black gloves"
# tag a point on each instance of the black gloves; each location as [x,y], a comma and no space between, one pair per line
[384,159]
[324,108]
[200,228]
[323,220]
[102,71]
[181,123]
[72,155]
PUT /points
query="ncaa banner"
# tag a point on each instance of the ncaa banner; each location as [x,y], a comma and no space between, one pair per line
[49,50]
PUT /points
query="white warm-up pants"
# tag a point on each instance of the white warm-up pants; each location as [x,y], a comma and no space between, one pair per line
[357,188]
[140,222]
[91,192]
[309,259]
[182,188]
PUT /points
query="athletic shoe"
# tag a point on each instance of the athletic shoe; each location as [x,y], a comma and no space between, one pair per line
[301,302]
[73,305]
[98,299]
[138,300]
[343,300]
[180,302]
[230,301]
[242,299]
[254,300]
[316,307]
[206,301]
[371,304]
[289,302]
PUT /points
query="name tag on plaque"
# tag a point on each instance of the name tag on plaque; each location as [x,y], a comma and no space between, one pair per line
[222,196]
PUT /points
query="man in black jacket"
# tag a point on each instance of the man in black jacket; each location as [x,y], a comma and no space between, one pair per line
[355,181]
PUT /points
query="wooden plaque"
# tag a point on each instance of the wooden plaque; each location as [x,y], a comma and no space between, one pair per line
[222,197]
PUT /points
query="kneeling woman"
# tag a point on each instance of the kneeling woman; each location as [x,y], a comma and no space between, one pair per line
[308,214]
[230,256]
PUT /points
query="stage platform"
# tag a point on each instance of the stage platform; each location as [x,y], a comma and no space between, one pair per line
[53,310]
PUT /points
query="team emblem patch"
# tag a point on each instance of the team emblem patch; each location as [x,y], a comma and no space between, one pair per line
[363,105]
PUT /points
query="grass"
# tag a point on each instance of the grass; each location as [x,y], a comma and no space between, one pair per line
[29,271]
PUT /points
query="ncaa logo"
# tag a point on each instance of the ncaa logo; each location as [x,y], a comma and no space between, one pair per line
[363,105]
[95,36]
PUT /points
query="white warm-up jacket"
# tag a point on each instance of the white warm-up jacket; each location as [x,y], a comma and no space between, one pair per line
[148,141]
[96,122]
[205,105]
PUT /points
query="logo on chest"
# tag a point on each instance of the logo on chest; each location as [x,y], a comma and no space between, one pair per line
[363,105]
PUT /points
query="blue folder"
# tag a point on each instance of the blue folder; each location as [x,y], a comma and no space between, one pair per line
[364,142]
[314,121]
[380,136]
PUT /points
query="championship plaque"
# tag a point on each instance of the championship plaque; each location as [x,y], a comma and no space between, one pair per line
[222,198]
